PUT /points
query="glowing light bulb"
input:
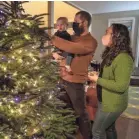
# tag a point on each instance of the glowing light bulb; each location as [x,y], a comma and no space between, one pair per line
[9,106]
[20,60]
[9,61]
[20,111]
[34,60]
[19,137]
[32,103]
[21,21]
[12,101]
[30,54]
[21,105]
[12,111]
[27,83]
[36,67]
[35,83]
[0,103]
[6,137]
[50,96]
[6,34]
[35,130]
[4,99]
[15,74]
[13,57]
[5,69]
[28,63]
[20,51]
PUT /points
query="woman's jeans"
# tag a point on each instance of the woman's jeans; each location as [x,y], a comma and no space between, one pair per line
[104,124]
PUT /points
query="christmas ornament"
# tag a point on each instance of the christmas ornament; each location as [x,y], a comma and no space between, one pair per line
[17,99]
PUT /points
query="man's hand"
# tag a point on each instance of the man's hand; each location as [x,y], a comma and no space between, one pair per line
[57,56]
[50,42]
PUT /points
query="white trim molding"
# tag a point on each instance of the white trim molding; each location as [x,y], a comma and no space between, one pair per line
[137,50]
[125,20]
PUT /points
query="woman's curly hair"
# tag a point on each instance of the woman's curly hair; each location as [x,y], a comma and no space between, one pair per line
[120,43]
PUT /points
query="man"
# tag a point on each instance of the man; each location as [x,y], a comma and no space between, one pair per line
[83,46]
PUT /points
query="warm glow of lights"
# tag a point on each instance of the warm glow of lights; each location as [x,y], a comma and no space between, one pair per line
[35,130]
[12,111]
[32,103]
[6,34]
[20,51]
[50,96]
[12,101]
[6,137]
[20,60]
[9,61]
[28,63]
[13,57]
[21,21]
[15,74]
[35,60]
[35,83]
[5,69]
[21,105]
[30,54]
[0,103]
[20,111]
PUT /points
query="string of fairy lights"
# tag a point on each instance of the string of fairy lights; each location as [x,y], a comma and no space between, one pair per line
[15,102]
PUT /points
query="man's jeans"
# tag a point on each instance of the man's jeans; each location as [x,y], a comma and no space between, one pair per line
[75,97]
[104,123]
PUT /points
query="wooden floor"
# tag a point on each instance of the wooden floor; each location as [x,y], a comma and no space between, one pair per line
[126,128]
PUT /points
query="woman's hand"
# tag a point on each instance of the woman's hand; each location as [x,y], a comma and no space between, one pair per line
[93,76]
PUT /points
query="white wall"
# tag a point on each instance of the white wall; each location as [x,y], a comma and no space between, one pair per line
[100,24]
[96,7]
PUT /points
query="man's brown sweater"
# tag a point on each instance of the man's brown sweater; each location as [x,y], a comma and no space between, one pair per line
[83,47]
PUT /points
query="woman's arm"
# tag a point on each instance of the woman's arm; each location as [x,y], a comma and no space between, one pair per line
[122,75]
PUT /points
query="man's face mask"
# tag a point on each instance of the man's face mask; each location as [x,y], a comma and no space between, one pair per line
[78,30]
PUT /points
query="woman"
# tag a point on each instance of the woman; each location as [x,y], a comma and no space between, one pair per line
[113,80]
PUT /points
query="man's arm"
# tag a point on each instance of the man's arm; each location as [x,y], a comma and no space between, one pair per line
[73,47]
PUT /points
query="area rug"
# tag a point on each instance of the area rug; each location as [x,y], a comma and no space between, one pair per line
[133,104]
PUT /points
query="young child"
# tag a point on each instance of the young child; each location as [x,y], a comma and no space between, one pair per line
[61,26]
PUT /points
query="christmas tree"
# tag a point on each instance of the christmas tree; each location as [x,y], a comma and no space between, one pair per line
[29,104]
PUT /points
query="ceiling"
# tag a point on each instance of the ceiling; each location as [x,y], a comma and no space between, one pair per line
[96,7]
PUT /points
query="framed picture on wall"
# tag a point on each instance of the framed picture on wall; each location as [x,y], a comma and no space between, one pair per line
[129,22]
